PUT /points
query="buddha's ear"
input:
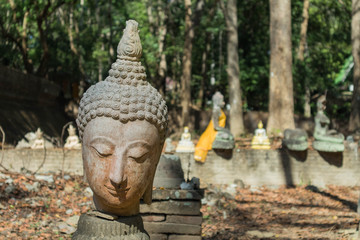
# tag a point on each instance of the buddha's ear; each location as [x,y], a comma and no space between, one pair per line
[147,197]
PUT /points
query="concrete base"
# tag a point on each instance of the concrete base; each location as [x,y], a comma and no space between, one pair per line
[92,227]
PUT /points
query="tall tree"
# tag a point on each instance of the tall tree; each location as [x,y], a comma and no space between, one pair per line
[233,70]
[303,31]
[300,56]
[354,123]
[281,102]
[186,61]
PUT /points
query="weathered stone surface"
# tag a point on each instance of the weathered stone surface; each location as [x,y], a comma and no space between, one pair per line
[156,227]
[184,237]
[169,173]
[158,236]
[172,207]
[153,218]
[193,220]
[165,194]
[295,139]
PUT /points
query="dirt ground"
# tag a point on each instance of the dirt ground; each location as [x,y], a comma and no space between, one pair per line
[48,207]
[295,213]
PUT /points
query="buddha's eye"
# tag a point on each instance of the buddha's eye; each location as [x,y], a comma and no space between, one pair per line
[139,151]
[103,153]
[139,156]
[102,147]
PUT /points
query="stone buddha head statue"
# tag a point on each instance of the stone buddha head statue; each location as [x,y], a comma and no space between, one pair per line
[122,122]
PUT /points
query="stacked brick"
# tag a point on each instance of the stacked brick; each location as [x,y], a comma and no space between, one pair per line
[173,215]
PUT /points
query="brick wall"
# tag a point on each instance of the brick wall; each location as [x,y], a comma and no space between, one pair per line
[253,167]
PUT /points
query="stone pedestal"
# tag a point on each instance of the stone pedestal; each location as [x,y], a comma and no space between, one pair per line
[169,173]
[173,215]
[95,225]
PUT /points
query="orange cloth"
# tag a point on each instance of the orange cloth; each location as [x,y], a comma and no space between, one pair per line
[207,138]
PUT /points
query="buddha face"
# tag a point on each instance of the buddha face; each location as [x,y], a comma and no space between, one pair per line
[120,162]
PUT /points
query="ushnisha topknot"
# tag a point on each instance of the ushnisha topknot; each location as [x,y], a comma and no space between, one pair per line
[125,95]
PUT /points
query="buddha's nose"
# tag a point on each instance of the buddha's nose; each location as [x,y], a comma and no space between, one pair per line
[117,171]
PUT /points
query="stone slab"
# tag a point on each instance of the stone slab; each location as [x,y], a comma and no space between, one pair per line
[165,194]
[184,237]
[159,227]
[158,236]
[153,218]
[193,220]
[172,207]
[328,147]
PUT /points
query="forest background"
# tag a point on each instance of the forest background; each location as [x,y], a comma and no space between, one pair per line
[189,50]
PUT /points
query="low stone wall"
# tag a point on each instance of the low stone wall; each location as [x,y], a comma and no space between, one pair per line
[277,167]
[47,161]
[253,167]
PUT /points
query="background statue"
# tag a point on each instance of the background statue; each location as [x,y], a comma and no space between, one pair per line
[72,141]
[185,144]
[327,140]
[122,123]
[216,135]
[260,140]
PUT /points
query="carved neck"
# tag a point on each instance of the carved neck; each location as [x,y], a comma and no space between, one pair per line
[128,210]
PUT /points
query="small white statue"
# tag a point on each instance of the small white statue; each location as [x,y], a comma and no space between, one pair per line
[72,142]
[185,144]
[260,140]
[39,141]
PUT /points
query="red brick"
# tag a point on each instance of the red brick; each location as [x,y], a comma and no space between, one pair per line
[153,218]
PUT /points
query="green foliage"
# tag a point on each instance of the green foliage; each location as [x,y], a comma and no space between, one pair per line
[97,27]
[328,47]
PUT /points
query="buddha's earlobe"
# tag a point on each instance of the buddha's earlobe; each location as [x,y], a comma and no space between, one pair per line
[147,197]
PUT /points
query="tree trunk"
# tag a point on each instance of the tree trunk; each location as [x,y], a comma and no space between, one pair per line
[204,58]
[281,101]
[161,41]
[43,68]
[307,107]
[354,123]
[303,30]
[300,56]
[204,74]
[186,62]
[233,71]
[150,15]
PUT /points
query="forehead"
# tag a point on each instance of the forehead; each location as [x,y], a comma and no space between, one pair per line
[118,131]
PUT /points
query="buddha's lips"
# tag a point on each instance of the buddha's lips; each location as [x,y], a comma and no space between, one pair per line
[113,190]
